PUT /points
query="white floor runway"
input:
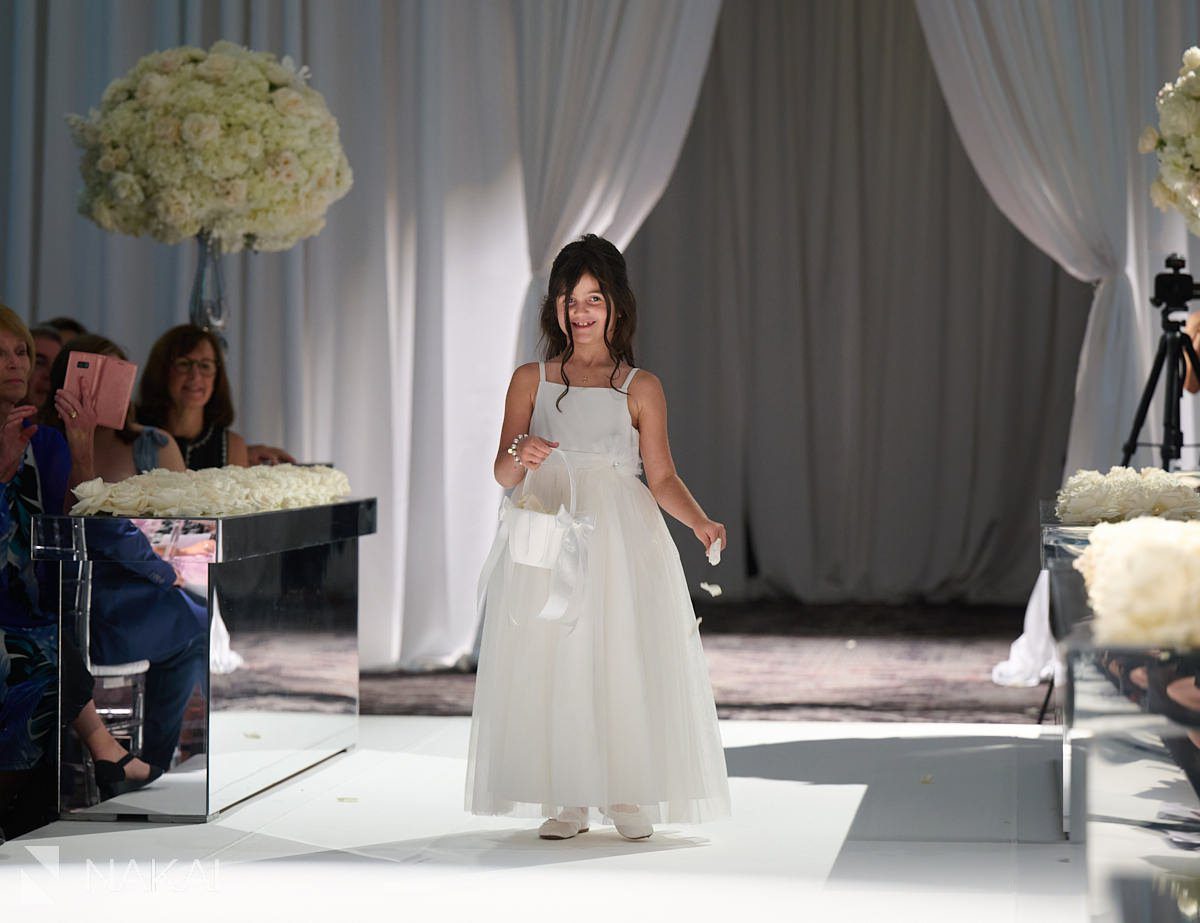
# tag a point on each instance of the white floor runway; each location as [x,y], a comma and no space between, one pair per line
[899,822]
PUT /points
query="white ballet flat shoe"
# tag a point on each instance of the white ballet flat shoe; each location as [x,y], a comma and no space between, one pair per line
[569,823]
[631,824]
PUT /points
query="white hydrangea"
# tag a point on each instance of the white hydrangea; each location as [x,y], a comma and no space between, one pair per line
[227,491]
[229,141]
[1090,497]
[1177,143]
[1143,582]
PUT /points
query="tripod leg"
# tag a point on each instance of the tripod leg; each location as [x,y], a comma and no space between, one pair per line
[1144,404]
[1172,442]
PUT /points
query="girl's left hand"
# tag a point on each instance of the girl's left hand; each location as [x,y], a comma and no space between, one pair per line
[708,531]
[78,414]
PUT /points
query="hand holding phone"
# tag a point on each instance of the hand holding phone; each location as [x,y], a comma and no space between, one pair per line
[106,382]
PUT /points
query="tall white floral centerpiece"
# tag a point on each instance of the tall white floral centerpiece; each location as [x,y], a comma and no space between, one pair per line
[1176,142]
[228,146]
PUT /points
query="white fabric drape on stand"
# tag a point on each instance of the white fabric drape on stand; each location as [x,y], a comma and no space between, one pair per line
[1049,99]
[607,90]
[860,354]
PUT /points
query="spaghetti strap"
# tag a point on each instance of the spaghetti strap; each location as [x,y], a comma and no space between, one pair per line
[628,379]
[541,370]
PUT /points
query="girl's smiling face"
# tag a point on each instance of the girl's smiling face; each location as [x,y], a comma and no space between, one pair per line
[584,309]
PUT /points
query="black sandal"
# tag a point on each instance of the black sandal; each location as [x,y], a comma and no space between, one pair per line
[110,777]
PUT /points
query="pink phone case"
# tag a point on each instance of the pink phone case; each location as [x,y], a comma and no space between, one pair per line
[110,382]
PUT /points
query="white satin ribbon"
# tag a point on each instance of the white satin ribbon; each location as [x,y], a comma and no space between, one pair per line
[568,573]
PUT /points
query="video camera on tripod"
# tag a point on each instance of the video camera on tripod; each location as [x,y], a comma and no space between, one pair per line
[1172,292]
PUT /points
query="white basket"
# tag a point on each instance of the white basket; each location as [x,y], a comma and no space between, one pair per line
[535,538]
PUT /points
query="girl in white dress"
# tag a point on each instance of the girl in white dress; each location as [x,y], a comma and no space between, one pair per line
[605,715]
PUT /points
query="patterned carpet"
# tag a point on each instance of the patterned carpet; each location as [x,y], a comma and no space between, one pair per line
[812,663]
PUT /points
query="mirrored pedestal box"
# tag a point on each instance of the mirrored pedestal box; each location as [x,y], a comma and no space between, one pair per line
[233,667]
[1135,732]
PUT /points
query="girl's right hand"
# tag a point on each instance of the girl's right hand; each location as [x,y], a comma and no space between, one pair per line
[533,450]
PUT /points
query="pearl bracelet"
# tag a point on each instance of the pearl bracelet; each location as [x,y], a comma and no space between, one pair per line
[512,450]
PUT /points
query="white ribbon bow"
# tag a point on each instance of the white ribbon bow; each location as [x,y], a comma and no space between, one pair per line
[566,576]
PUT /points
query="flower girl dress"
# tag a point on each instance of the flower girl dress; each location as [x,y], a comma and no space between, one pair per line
[612,704]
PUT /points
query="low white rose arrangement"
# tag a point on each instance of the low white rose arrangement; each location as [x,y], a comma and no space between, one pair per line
[228,491]
[1090,497]
[1176,142]
[227,141]
[1143,582]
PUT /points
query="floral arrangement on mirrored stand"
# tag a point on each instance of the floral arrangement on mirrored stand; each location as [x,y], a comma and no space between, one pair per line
[229,147]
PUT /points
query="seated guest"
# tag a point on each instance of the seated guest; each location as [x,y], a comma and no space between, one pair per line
[185,391]
[67,327]
[46,344]
[138,611]
[37,466]
[118,454]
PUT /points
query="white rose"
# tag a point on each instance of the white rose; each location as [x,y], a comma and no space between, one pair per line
[217,66]
[167,130]
[116,92]
[153,87]
[289,102]
[1188,85]
[171,60]
[1148,140]
[200,128]
[1143,582]
[1161,196]
[173,207]
[286,169]
[125,188]
[279,75]
[103,216]
[233,192]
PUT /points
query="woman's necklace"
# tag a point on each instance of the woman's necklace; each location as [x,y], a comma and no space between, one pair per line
[187,452]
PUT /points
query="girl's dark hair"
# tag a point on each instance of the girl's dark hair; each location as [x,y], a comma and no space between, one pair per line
[87,343]
[154,398]
[596,256]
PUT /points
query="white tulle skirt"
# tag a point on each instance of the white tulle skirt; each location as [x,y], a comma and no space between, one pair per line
[618,710]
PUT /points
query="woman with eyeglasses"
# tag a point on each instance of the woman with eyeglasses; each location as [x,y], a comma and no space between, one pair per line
[185,391]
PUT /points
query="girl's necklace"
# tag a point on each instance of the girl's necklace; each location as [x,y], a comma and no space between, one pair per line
[585,378]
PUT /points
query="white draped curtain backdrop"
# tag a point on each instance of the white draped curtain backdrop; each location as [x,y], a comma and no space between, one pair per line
[868,369]
[386,344]
[1049,99]
[607,91]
